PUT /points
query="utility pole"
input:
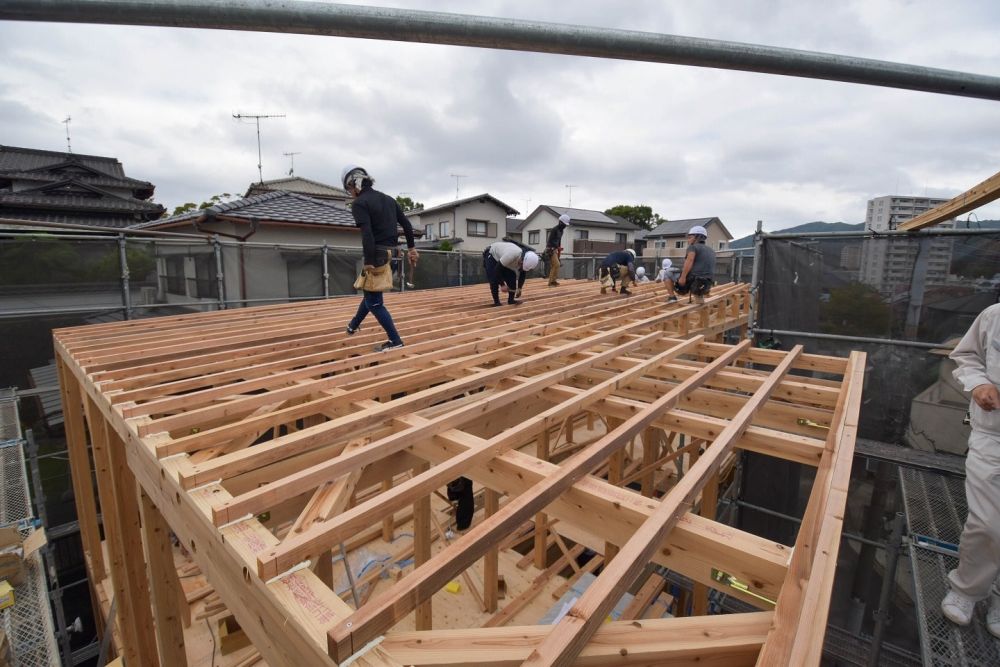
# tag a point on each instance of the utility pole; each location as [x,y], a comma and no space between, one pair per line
[69,147]
[291,172]
[257,117]
[570,188]
[457,177]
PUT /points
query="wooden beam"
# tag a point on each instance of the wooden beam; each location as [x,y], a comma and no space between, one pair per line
[733,640]
[383,611]
[491,561]
[567,639]
[976,196]
[422,548]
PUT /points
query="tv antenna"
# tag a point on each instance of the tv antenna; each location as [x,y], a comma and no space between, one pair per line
[69,147]
[457,177]
[570,188]
[257,117]
[527,204]
[291,156]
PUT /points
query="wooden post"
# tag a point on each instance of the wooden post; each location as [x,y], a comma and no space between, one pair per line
[116,488]
[616,465]
[387,522]
[491,561]
[165,585]
[650,452]
[422,548]
[541,521]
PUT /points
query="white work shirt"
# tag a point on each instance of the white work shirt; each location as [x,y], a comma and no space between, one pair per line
[978,359]
[508,254]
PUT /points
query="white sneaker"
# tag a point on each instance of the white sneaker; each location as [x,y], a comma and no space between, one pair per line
[958,608]
[993,616]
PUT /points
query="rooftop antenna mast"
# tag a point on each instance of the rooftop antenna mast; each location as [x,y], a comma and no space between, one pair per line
[69,147]
[457,177]
[257,117]
[291,156]
[570,188]
[527,204]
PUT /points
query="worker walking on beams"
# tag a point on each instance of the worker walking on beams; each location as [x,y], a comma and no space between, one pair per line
[377,214]
[698,273]
[975,578]
[553,248]
[507,264]
[619,264]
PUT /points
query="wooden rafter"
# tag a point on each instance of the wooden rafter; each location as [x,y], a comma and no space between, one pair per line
[266,437]
[976,196]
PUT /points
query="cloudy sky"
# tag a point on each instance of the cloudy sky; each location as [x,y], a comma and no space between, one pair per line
[690,142]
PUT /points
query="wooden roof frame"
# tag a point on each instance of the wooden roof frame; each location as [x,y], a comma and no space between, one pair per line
[173,405]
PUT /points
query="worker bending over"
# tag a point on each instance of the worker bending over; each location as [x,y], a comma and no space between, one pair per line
[507,264]
[619,264]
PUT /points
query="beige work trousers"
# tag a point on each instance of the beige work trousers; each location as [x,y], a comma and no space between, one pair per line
[979,548]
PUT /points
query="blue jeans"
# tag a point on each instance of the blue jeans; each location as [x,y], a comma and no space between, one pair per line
[372,302]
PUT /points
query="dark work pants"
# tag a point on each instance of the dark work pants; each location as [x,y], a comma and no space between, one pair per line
[371,302]
[460,490]
[496,273]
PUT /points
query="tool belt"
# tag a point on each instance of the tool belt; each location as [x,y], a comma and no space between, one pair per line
[377,278]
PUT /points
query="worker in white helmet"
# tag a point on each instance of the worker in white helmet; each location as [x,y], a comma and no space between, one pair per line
[619,264]
[668,276]
[507,264]
[698,273]
[640,275]
[553,248]
[976,577]
[379,217]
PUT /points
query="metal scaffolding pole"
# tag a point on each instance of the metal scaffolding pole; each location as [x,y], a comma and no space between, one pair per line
[313,18]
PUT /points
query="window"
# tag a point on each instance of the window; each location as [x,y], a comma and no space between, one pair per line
[445,227]
[533,237]
[680,245]
[621,237]
[722,245]
[175,274]
[429,232]
[206,281]
[482,228]
[659,244]
[582,234]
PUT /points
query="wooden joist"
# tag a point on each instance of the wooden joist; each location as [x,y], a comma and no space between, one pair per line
[233,422]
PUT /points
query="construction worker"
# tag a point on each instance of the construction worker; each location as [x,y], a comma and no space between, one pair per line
[377,214]
[618,264]
[640,276]
[553,248]
[698,272]
[507,264]
[975,578]
[668,276]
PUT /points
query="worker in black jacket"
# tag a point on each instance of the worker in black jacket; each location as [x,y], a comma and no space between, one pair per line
[618,265]
[377,215]
[553,248]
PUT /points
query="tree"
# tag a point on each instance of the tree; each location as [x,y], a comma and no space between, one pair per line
[640,215]
[855,310]
[408,204]
[191,206]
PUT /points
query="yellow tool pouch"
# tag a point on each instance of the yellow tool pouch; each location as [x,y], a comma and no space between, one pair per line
[376,278]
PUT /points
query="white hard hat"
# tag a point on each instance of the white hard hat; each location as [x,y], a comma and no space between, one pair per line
[350,169]
[641,271]
[631,252]
[530,260]
[667,264]
[564,218]
[698,230]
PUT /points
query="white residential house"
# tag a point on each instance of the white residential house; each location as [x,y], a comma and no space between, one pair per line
[669,239]
[589,231]
[471,223]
